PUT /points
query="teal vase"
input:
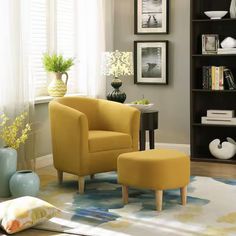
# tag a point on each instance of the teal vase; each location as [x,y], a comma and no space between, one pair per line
[8,163]
[24,183]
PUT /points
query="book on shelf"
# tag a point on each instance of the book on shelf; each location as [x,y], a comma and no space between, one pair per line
[226,51]
[220,113]
[213,77]
[218,120]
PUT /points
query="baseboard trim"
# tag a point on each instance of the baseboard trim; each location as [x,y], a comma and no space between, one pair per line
[180,147]
[43,161]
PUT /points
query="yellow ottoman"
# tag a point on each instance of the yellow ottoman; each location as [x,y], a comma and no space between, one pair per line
[154,169]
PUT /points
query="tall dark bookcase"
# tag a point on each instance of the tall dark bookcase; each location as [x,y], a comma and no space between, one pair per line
[202,99]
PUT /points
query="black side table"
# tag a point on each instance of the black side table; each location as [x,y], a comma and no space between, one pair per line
[148,122]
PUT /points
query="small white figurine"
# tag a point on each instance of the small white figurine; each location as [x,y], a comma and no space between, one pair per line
[228,42]
[225,150]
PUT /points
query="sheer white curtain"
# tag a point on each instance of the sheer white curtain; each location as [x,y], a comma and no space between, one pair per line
[95,31]
[16,86]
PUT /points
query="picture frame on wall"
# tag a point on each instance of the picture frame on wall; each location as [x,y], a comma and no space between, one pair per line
[151,16]
[210,43]
[151,62]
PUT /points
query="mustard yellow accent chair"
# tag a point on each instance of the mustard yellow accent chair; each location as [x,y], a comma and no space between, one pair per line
[89,134]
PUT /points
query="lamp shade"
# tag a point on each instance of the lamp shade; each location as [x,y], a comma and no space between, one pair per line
[117,63]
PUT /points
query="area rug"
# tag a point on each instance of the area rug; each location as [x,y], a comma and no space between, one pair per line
[211,209]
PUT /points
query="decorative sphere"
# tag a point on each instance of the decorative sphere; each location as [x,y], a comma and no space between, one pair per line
[24,183]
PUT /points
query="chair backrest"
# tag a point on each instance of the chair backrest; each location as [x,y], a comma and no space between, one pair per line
[88,106]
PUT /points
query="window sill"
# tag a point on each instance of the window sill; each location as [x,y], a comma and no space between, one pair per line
[47,99]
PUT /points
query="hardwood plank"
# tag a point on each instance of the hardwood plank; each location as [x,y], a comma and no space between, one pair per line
[213,169]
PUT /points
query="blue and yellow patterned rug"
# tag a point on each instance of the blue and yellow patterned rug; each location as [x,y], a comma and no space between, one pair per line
[211,209]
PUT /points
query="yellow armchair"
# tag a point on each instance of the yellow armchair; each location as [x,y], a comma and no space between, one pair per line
[89,134]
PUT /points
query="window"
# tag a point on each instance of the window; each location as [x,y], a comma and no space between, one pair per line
[66,36]
[53,29]
[39,44]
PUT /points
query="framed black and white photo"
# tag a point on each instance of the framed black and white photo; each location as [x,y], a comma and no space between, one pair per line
[150,62]
[210,43]
[151,16]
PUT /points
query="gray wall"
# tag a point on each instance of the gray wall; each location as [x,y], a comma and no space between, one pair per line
[171,100]
[42,134]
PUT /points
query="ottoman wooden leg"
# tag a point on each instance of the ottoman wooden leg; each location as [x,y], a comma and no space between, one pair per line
[125,194]
[60,176]
[159,196]
[183,192]
[81,184]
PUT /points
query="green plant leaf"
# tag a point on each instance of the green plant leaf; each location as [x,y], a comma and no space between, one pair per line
[56,63]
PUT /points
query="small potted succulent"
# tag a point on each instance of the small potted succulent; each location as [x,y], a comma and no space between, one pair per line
[59,66]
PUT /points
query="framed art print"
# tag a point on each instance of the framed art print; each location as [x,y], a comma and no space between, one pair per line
[210,43]
[151,16]
[150,62]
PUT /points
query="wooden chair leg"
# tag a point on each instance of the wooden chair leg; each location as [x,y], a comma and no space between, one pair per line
[81,184]
[183,192]
[60,176]
[125,194]
[159,196]
[92,176]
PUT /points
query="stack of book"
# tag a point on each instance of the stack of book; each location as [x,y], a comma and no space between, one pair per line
[216,77]
[226,51]
[219,117]
[213,77]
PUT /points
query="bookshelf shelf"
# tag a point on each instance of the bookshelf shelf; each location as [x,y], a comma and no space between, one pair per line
[213,125]
[213,21]
[213,91]
[206,99]
[214,55]
[212,159]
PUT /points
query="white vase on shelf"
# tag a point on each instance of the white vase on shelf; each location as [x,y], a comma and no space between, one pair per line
[232,9]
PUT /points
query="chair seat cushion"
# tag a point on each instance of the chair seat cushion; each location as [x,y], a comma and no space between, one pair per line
[100,140]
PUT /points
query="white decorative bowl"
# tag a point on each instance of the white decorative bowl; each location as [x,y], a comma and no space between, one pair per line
[214,15]
[141,107]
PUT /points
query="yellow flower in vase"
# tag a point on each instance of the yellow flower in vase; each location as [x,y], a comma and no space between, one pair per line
[16,133]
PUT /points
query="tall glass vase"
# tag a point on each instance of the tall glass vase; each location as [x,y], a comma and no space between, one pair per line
[8,164]
[232,9]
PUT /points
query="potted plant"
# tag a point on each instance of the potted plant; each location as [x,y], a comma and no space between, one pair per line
[13,135]
[59,66]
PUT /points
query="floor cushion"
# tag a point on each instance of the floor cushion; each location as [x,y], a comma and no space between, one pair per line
[24,212]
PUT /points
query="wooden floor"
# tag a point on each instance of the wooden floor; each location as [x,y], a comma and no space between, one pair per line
[213,170]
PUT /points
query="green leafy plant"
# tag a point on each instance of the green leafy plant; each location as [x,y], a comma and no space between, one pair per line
[56,63]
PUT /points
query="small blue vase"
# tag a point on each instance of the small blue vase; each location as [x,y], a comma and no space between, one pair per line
[8,163]
[24,183]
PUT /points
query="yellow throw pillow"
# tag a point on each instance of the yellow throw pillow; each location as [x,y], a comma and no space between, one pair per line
[24,212]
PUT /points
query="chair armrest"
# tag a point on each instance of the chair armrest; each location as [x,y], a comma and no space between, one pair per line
[69,130]
[118,117]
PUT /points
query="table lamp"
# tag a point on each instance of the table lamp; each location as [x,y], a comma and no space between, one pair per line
[117,64]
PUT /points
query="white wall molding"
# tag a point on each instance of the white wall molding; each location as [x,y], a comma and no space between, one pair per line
[43,161]
[180,147]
